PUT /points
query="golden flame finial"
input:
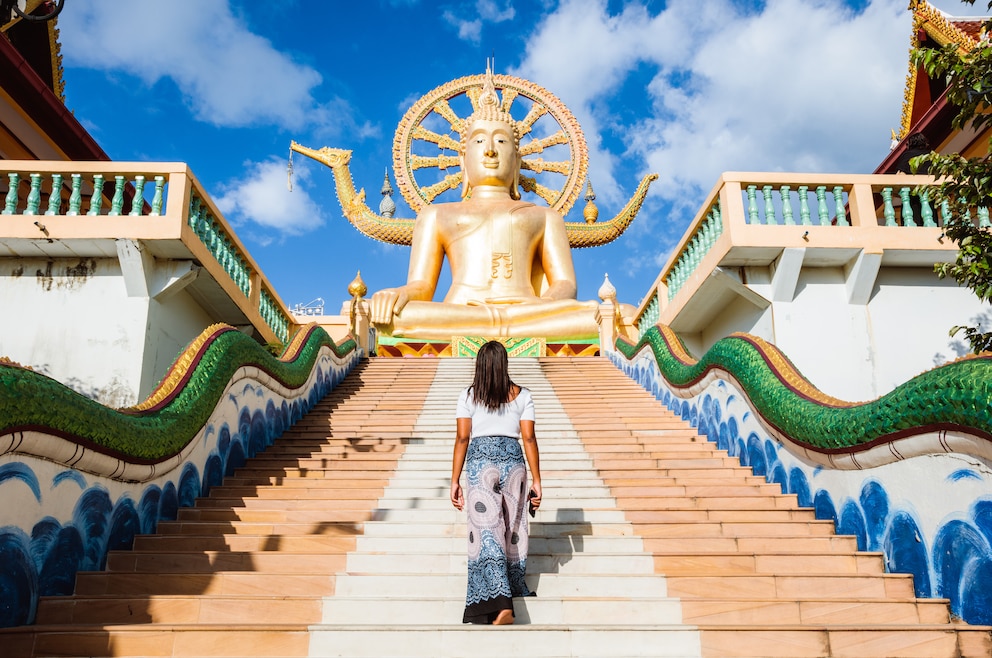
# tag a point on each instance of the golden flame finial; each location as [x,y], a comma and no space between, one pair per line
[489,108]
[489,98]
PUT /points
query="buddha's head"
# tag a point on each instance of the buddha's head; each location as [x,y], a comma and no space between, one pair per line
[490,144]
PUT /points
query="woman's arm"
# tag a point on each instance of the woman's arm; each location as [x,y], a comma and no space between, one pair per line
[462,434]
[533,459]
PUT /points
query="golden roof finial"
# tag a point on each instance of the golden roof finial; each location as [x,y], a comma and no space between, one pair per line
[590,212]
[357,287]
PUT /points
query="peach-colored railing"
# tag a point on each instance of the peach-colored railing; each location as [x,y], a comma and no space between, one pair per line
[754,210]
[145,201]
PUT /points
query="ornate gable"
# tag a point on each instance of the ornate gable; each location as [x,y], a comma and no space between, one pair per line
[931,24]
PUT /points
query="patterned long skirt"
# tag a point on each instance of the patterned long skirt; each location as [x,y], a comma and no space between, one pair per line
[497,527]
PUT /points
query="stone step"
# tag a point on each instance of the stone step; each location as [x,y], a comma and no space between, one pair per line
[792,586]
[602,641]
[220,583]
[177,609]
[576,532]
[575,563]
[862,640]
[576,611]
[836,611]
[549,503]
[211,561]
[547,585]
[105,640]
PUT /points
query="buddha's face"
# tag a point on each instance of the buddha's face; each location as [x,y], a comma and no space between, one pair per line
[490,156]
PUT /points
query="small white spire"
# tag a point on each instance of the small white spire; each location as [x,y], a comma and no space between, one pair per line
[606,291]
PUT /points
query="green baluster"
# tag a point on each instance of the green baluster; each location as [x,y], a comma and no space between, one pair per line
[96,201]
[709,233]
[769,205]
[945,212]
[804,205]
[10,203]
[55,198]
[138,202]
[787,206]
[34,196]
[821,205]
[194,214]
[752,205]
[839,206]
[718,217]
[214,237]
[926,212]
[76,196]
[118,201]
[242,276]
[887,209]
[157,199]
[228,258]
[907,208]
[222,254]
[203,224]
[983,217]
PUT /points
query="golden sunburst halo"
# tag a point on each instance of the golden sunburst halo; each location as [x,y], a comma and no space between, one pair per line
[433,154]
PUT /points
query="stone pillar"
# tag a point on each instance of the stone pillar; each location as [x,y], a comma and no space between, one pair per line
[606,316]
[361,312]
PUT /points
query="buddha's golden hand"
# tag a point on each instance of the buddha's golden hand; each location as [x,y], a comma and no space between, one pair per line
[387,303]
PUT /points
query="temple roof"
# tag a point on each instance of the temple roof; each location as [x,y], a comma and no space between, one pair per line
[38,125]
[934,26]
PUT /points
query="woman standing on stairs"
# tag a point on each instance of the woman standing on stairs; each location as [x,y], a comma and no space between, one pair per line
[494,416]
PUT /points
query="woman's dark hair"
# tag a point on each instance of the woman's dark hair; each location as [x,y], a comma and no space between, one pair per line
[491,386]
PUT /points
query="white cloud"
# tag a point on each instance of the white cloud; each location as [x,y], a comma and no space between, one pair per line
[228,75]
[794,85]
[483,11]
[263,199]
[961,9]
[804,85]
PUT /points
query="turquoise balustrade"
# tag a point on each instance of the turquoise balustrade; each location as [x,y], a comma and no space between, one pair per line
[804,209]
[134,191]
[80,184]
[273,316]
[649,317]
[778,207]
[220,245]
[695,249]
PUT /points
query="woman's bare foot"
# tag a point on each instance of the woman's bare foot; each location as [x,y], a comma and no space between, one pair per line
[504,618]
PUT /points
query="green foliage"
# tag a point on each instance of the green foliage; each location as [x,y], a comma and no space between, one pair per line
[967,182]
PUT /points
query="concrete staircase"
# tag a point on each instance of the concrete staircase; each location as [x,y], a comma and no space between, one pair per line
[340,541]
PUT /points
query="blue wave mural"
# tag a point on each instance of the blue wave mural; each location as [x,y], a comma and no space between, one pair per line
[953,562]
[46,561]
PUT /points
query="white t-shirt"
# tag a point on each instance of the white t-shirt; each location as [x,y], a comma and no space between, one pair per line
[505,422]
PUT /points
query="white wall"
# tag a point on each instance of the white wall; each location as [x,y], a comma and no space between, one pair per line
[852,351]
[912,312]
[71,319]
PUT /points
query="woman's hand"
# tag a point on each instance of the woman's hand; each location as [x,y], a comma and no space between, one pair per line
[457,498]
[536,488]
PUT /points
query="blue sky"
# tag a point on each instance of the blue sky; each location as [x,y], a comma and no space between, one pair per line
[686,88]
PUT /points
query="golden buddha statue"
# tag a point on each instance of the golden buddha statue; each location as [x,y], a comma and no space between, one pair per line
[511,266]
[510,260]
